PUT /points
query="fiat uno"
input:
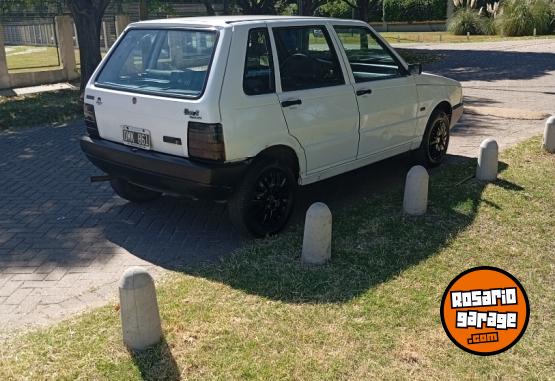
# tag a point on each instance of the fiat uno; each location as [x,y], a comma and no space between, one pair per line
[247,108]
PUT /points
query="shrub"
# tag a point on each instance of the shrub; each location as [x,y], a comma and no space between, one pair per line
[542,13]
[520,17]
[415,10]
[467,20]
[490,26]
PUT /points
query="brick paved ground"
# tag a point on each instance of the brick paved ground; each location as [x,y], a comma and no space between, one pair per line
[65,242]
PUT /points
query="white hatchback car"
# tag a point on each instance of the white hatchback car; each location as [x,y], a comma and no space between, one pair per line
[246,108]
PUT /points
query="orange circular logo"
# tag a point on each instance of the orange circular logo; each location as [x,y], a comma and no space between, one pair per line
[485,311]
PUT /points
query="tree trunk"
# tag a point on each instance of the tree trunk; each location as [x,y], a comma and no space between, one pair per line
[306,8]
[362,10]
[209,8]
[87,15]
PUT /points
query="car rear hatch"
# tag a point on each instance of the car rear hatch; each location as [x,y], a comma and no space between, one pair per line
[151,87]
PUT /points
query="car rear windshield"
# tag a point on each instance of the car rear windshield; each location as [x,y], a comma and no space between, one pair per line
[161,62]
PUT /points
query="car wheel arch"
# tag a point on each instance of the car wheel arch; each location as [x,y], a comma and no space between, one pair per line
[443,106]
[282,153]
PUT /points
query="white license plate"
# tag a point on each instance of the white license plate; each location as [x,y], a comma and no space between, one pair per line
[136,137]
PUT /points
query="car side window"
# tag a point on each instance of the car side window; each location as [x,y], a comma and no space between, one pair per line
[306,57]
[368,58]
[258,77]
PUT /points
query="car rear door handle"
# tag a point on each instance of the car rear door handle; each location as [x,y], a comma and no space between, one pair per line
[363,92]
[291,103]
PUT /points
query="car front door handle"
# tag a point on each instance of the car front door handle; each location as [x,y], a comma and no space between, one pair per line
[291,103]
[363,92]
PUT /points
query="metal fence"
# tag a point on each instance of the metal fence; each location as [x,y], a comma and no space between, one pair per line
[31,43]
[36,32]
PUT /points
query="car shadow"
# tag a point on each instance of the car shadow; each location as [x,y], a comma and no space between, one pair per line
[373,240]
[52,216]
[492,65]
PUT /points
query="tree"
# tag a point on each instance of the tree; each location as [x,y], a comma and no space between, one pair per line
[361,8]
[87,15]
[257,7]
[308,7]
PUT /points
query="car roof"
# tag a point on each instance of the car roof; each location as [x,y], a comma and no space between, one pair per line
[226,21]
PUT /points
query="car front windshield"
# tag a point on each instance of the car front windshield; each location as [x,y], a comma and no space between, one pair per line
[164,62]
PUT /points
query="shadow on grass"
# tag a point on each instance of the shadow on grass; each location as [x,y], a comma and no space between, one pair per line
[373,241]
[156,362]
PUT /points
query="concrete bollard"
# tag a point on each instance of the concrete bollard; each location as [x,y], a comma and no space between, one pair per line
[549,135]
[140,319]
[487,160]
[317,235]
[415,201]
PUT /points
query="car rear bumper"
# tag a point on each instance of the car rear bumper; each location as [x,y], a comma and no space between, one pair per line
[162,172]
[456,114]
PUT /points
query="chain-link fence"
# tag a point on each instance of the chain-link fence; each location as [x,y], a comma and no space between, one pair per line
[31,43]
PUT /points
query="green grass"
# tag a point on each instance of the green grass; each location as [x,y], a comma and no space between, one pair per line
[430,37]
[38,109]
[34,58]
[31,57]
[372,313]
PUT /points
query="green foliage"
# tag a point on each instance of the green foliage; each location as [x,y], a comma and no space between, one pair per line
[543,14]
[490,26]
[467,20]
[520,17]
[415,10]
[517,19]
[335,8]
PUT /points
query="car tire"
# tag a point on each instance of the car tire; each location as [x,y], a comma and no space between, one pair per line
[262,203]
[435,142]
[132,192]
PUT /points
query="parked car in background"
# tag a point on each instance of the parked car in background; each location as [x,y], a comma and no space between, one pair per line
[248,108]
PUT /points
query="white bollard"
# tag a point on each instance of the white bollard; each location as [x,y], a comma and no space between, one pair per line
[140,319]
[488,160]
[549,135]
[317,235]
[415,201]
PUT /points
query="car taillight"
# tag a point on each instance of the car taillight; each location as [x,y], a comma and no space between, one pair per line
[206,141]
[90,121]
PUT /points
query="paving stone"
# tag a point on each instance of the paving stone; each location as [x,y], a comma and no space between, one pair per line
[34,276]
[18,296]
[10,287]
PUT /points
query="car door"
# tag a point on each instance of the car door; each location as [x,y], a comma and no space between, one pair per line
[386,92]
[317,100]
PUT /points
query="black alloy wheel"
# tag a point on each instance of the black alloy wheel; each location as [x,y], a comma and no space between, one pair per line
[263,202]
[438,140]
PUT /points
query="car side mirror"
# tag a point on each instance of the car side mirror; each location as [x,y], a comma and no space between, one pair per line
[415,68]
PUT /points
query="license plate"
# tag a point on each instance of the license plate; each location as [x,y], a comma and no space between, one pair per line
[136,137]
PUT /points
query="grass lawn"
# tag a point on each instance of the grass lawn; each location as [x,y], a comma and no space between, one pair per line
[38,109]
[31,57]
[427,37]
[373,312]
